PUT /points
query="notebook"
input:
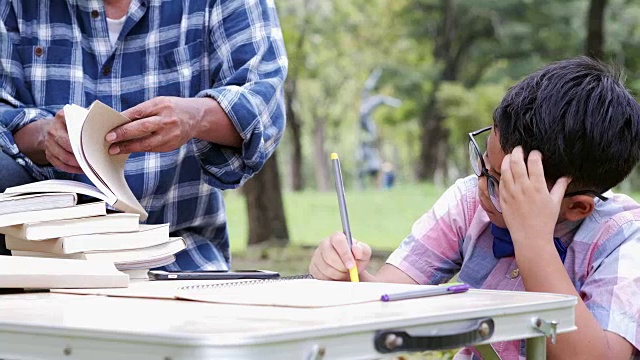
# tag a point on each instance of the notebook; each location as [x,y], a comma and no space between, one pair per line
[151,289]
[24,272]
[87,129]
[298,293]
[115,222]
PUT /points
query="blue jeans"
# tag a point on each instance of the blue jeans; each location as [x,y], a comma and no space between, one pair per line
[11,174]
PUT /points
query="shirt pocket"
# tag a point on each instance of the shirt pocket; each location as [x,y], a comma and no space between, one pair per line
[51,73]
[182,71]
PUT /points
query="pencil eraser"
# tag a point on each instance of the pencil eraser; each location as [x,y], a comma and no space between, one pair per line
[334,156]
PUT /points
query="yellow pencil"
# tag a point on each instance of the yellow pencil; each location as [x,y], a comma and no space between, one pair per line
[342,203]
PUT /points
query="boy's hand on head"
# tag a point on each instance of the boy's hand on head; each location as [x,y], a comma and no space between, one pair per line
[333,259]
[529,209]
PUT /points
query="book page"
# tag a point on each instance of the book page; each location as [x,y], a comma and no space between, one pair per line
[74,117]
[87,129]
[100,120]
[306,293]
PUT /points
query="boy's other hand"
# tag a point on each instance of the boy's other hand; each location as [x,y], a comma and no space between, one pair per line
[529,208]
[333,259]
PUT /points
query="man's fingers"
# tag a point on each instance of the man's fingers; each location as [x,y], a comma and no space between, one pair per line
[149,143]
[59,133]
[62,155]
[133,130]
[56,162]
[143,110]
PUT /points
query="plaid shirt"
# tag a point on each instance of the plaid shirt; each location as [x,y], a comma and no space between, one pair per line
[54,52]
[603,257]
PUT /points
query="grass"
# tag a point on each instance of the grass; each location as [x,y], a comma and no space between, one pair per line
[379,218]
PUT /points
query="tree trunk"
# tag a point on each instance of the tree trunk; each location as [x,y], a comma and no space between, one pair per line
[321,158]
[267,222]
[595,29]
[297,179]
[430,136]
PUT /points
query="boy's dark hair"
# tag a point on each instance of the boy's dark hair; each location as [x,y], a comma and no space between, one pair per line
[579,115]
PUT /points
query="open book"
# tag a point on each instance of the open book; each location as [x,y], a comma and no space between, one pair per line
[87,129]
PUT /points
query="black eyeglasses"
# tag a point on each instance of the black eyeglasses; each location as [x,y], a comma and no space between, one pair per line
[480,169]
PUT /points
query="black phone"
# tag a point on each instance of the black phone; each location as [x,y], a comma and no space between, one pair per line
[212,275]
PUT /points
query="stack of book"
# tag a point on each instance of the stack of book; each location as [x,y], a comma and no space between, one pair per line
[68,219]
[55,228]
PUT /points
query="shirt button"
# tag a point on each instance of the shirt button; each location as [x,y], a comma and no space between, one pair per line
[39,51]
[106,71]
[95,14]
[514,274]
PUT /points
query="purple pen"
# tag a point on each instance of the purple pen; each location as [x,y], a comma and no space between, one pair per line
[431,291]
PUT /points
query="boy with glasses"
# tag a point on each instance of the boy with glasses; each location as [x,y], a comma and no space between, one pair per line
[538,215]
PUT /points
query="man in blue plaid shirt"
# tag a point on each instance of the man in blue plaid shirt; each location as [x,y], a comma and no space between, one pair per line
[202,81]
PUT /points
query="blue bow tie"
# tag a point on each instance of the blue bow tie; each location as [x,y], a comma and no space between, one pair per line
[503,245]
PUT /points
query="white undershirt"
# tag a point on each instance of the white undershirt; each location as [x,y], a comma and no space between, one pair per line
[115,27]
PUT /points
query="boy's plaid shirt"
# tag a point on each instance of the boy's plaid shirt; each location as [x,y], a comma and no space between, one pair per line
[54,52]
[603,257]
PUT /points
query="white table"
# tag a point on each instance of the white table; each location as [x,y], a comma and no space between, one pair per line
[63,326]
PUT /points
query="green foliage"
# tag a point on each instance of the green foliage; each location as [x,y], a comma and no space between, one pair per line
[334,45]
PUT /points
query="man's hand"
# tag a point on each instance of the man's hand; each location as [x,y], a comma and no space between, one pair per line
[333,259]
[158,125]
[46,141]
[529,209]
[57,146]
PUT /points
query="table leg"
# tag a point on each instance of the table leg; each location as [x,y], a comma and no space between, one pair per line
[537,348]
